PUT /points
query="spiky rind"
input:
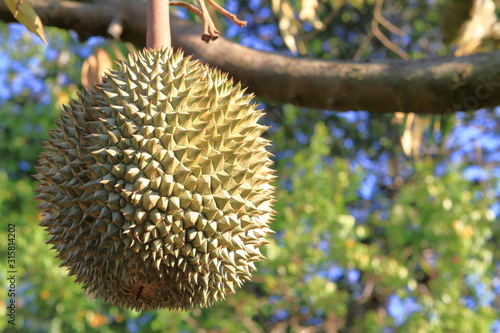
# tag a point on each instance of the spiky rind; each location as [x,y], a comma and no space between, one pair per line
[155,184]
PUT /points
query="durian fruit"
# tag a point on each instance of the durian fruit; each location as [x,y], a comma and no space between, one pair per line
[155,184]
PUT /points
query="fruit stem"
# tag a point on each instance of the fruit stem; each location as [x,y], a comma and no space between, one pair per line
[158,33]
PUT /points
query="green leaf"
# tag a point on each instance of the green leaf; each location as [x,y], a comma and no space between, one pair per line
[27,16]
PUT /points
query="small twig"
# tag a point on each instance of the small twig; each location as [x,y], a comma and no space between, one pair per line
[388,25]
[364,44]
[17,8]
[210,32]
[381,37]
[192,8]
[389,44]
[227,14]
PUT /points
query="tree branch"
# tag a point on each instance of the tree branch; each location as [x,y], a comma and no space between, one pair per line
[434,85]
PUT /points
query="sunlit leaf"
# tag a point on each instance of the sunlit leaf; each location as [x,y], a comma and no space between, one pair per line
[27,16]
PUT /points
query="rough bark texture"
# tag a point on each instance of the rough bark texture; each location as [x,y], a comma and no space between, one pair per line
[434,85]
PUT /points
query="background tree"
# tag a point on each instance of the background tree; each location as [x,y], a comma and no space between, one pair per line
[386,221]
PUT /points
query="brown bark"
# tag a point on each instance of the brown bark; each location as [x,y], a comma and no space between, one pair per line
[434,85]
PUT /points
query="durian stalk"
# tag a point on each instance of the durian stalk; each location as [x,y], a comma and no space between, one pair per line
[158,20]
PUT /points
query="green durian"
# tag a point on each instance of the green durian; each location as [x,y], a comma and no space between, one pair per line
[156,184]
